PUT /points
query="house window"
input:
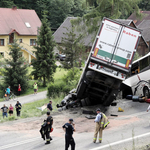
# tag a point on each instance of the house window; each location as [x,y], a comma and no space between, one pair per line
[1,54]
[1,42]
[20,40]
[32,42]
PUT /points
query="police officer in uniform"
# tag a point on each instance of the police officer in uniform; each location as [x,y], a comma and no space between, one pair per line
[69,140]
[49,123]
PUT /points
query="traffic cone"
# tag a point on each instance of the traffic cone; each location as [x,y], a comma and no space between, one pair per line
[120,109]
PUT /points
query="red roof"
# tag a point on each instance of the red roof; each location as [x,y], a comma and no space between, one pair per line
[13,20]
[137,21]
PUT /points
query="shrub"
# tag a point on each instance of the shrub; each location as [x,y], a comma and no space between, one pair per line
[55,89]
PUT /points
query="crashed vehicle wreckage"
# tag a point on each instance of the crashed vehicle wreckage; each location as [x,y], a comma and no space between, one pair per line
[107,65]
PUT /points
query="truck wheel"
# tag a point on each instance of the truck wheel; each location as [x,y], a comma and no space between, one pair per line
[81,89]
[110,98]
[146,92]
[87,101]
[90,75]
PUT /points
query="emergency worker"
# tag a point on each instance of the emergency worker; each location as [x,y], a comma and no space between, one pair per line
[69,128]
[101,122]
[49,123]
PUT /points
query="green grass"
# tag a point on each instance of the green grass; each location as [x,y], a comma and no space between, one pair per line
[60,72]
[30,109]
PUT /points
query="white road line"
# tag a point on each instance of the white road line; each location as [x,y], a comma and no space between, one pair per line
[18,143]
[119,142]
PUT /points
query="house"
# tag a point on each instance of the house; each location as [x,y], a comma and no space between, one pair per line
[143,24]
[20,24]
[88,40]
[59,33]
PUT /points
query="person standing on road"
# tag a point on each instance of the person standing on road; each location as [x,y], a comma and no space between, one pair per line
[101,122]
[49,123]
[11,110]
[69,128]
[49,106]
[18,108]
[35,88]
[19,89]
[4,110]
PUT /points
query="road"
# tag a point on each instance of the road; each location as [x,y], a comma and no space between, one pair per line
[129,130]
[26,99]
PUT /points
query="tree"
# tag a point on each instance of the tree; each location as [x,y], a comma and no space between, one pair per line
[44,64]
[144,5]
[72,46]
[58,10]
[113,9]
[6,3]
[16,69]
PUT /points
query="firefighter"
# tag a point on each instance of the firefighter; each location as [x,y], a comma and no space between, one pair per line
[49,123]
[101,123]
[69,128]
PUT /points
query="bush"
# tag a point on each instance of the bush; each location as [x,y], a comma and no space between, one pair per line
[55,89]
[71,76]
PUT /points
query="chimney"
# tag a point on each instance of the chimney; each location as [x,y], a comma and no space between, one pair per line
[14,8]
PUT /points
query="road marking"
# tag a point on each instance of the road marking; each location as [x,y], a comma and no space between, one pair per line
[121,141]
[18,143]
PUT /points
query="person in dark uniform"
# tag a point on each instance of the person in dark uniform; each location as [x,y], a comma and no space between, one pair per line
[69,128]
[49,106]
[49,123]
[18,108]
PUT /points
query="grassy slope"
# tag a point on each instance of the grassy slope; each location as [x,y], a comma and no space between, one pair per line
[30,109]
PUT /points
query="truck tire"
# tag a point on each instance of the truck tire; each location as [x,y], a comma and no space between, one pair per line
[81,90]
[146,92]
[90,75]
[87,101]
[110,98]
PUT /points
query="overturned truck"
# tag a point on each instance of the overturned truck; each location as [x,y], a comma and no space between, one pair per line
[107,65]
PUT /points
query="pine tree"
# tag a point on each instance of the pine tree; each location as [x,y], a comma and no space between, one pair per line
[44,64]
[16,69]
[72,46]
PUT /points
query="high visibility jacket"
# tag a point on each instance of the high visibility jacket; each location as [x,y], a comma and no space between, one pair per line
[104,121]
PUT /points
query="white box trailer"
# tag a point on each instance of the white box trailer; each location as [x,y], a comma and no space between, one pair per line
[108,64]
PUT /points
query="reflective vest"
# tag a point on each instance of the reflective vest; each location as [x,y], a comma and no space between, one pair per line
[35,86]
[104,121]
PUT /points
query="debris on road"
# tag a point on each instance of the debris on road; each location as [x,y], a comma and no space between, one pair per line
[120,109]
[42,108]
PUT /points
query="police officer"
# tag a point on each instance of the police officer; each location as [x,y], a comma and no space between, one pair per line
[49,123]
[69,140]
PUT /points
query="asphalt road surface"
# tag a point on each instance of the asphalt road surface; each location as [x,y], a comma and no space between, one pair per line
[130,130]
[25,99]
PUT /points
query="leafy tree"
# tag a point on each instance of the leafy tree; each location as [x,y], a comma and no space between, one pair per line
[16,69]
[44,65]
[6,3]
[113,9]
[144,5]
[58,10]
[72,46]
[25,4]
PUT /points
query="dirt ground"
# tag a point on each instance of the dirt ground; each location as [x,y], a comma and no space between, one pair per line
[31,125]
